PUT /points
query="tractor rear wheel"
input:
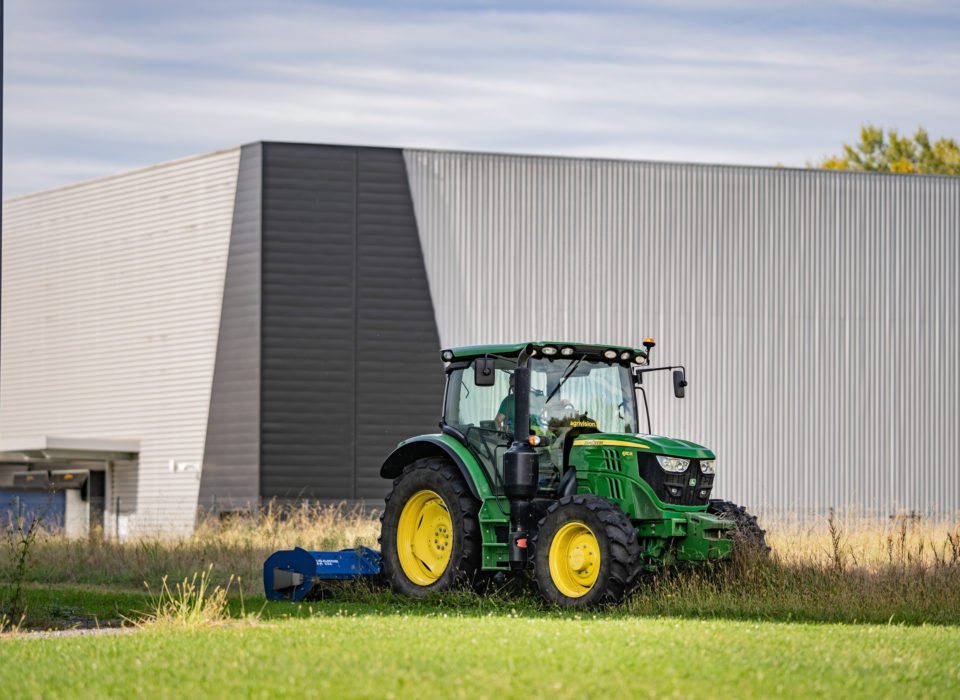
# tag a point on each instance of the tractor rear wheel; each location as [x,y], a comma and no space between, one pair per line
[748,535]
[429,532]
[586,553]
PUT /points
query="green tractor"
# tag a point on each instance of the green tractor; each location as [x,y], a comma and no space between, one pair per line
[541,466]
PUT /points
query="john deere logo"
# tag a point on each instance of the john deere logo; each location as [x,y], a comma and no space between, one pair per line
[693,482]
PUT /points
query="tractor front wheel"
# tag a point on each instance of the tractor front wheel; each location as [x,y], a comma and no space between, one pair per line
[587,553]
[429,532]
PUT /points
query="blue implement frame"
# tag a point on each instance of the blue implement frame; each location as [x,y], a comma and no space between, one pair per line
[290,574]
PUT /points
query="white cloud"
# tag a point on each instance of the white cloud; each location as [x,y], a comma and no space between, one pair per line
[87,94]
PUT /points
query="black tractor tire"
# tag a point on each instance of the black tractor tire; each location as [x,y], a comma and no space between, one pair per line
[442,477]
[620,564]
[748,536]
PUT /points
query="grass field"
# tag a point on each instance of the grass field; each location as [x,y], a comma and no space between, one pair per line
[350,651]
[841,607]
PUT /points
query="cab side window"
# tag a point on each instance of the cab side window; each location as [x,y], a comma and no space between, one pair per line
[472,410]
[469,405]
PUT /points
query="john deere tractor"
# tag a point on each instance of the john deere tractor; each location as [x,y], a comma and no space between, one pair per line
[542,465]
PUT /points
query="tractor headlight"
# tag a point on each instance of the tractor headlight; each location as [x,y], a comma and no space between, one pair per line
[673,464]
[708,466]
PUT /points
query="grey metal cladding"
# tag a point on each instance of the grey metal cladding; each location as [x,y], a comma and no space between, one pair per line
[307,403]
[400,376]
[816,311]
[231,460]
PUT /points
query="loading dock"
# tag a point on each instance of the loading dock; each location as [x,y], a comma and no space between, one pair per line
[62,480]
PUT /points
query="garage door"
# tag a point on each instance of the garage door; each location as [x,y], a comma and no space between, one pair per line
[30,505]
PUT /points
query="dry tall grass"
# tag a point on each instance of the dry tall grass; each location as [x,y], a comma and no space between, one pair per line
[235,548]
[868,545]
[830,569]
[903,570]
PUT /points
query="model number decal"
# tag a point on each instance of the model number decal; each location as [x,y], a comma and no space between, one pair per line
[609,443]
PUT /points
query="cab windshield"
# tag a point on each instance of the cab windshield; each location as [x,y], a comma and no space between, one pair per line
[578,393]
[568,397]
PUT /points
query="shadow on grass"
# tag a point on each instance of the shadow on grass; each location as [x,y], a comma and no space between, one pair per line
[77,606]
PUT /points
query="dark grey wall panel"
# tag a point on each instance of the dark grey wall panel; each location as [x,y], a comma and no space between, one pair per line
[400,379]
[231,461]
[350,361]
[308,328]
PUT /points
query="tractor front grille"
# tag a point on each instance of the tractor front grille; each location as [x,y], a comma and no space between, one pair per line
[676,489]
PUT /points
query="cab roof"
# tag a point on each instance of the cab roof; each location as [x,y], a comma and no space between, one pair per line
[536,349]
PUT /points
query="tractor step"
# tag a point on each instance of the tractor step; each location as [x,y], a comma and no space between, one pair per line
[290,574]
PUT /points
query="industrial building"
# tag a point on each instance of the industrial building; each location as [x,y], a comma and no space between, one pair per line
[265,321]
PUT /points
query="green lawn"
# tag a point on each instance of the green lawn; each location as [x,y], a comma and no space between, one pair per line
[345,650]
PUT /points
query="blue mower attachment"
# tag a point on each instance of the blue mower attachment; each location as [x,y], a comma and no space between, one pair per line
[290,574]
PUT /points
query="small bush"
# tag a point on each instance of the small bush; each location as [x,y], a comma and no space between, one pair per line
[19,539]
[193,602]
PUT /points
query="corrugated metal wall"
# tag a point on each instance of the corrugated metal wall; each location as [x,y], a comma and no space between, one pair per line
[111,306]
[815,311]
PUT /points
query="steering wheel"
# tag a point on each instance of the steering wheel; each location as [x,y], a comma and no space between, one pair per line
[556,409]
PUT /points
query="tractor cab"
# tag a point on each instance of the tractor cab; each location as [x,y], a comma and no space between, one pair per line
[574,390]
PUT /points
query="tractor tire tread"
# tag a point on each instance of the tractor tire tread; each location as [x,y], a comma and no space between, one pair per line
[748,532]
[467,569]
[626,565]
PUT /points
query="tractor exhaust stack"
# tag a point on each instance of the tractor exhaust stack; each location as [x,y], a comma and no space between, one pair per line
[520,470]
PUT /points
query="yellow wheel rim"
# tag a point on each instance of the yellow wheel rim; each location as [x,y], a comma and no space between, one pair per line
[424,538]
[574,559]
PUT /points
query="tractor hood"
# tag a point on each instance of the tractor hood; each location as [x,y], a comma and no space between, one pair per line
[653,444]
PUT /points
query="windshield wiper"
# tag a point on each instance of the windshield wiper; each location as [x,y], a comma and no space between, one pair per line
[565,377]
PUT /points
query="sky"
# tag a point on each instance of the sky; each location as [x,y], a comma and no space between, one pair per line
[98,87]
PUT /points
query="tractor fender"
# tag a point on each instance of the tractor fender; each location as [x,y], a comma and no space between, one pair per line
[438,446]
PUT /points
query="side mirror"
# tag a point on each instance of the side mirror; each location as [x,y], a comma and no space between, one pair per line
[483,374]
[679,384]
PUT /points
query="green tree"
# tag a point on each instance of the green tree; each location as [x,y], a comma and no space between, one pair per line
[891,152]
